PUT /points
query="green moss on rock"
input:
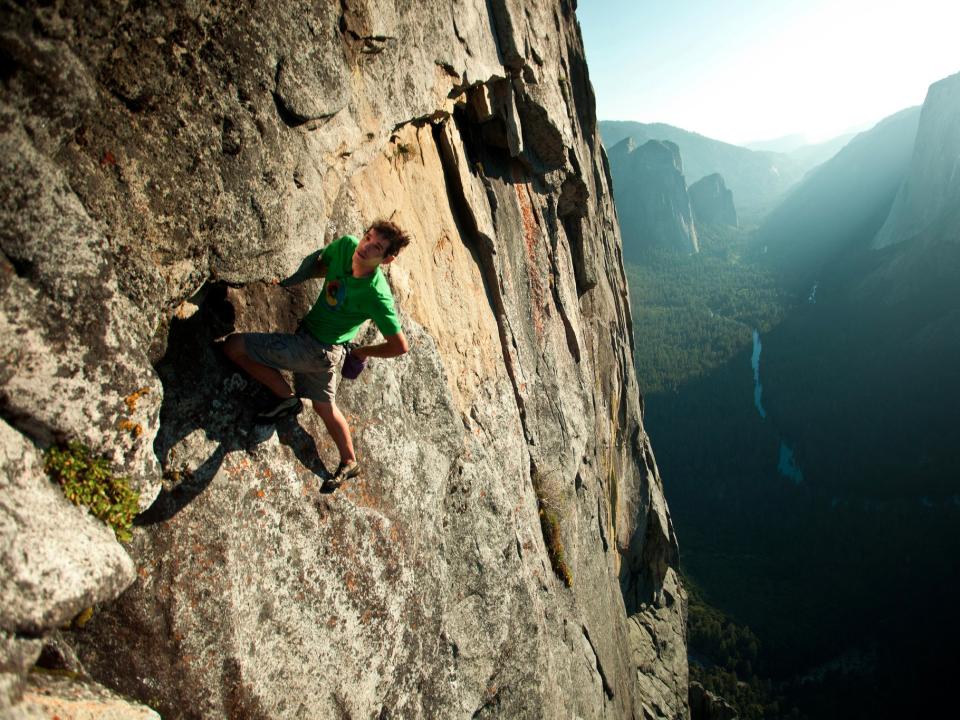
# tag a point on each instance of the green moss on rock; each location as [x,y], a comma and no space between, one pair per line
[88,480]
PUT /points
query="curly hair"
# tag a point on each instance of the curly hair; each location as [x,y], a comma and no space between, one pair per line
[396,238]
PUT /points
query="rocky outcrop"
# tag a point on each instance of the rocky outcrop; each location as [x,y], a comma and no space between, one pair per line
[652,200]
[53,695]
[712,202]
[931,188]
[162,166]
[56,561]
[705,705]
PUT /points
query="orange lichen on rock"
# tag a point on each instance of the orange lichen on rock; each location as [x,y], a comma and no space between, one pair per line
[358,491]
[135,429]
[133,398]
[531,233]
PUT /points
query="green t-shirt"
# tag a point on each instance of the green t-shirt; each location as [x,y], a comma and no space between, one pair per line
[346,302]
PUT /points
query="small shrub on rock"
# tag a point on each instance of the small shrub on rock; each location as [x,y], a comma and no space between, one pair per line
[88,480]
[550,526]
[551,499]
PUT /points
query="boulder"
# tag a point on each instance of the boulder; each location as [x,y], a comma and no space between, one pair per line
[705,705]
[57,561]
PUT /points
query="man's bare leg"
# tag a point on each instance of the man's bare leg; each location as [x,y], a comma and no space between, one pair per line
[234,349]
[337,426]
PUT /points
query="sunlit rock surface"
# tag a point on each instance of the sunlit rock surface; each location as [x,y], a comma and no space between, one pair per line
[53,695]
[931,189]
[183,158]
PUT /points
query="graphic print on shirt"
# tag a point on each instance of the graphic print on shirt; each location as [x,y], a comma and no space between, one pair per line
[335,292]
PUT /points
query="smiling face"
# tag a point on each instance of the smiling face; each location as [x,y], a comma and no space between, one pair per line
[372,249]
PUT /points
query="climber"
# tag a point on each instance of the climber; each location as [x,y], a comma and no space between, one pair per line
[354,290]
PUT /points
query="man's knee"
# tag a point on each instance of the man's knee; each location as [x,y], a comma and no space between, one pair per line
[326,410]
[233,347]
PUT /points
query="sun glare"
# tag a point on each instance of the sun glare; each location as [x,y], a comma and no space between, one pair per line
[764,70]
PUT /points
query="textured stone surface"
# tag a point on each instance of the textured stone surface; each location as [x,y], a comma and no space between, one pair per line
[931,189]
[73,346]
[56,558]
[652,199]
[51,695]
[17,655]
[658,638]
[712,202]
[212,148]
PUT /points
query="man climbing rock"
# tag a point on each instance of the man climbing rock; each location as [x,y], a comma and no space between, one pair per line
[354,291]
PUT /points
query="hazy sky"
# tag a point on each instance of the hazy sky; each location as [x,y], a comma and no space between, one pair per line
[747,70]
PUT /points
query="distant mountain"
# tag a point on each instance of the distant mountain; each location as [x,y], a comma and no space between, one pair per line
[881,345]
[651,197]
[809,156]
[758,179]
[712,202]
[932,185]
[914,279]
[843,202]
[860,380]
[786,144]
[863,379]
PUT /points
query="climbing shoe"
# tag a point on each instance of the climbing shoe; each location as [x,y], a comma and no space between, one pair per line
[345,471]
[281,409]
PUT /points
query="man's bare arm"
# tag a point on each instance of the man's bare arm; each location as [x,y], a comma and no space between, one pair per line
[311,267]
[395,345]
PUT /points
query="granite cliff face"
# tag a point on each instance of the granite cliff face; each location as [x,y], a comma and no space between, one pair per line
[654,206]
[712,202]
[758,179]
[931,188]
[161,166]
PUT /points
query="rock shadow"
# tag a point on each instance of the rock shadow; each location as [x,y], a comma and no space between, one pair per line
[205,393]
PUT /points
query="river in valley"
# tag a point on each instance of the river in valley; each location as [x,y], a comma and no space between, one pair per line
[786,462]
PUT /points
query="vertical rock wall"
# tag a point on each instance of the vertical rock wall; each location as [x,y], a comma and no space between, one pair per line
[931,188]
[162,164]
[654,206]
[712,202]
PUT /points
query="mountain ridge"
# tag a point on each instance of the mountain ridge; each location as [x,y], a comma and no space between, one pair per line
[841,202]
[931,186]
[757,179]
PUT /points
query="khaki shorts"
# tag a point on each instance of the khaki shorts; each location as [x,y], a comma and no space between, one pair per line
[314,364]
